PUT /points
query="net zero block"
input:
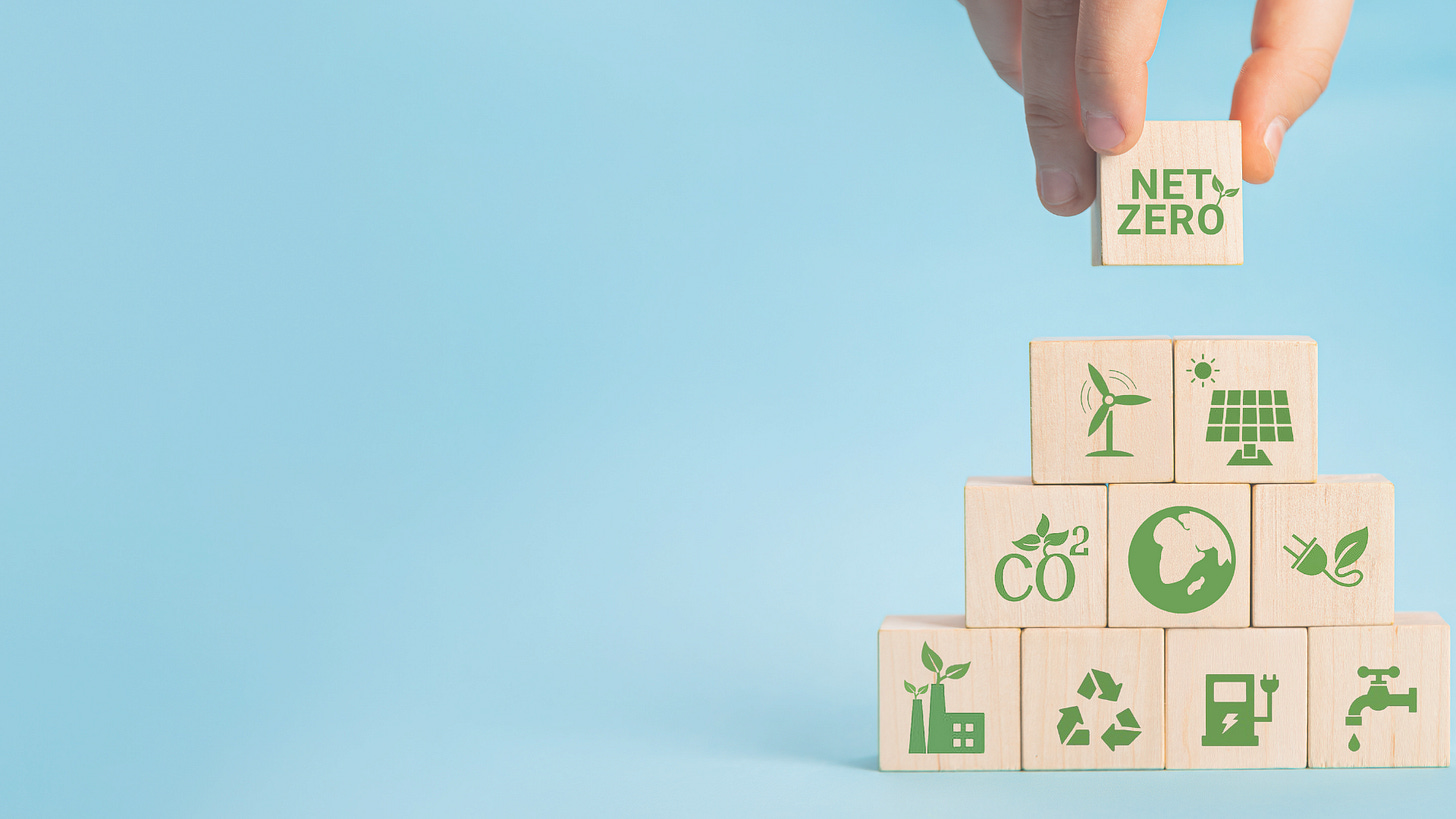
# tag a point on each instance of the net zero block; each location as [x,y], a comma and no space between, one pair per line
[1245,409]
[1091,698]
[1173,199]
[950,697]
[1236,697]
[1035,555]
[1324,552]
[1101,410]
[1178,555]
[1380,696]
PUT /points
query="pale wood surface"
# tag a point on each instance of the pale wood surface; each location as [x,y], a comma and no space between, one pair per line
[1322,513]
[1419,644]
[1064,401]
[1055,663]
[1194,654]
[1266,363]
[1129,505]
[991,686]
[1002,510]
[1212,145]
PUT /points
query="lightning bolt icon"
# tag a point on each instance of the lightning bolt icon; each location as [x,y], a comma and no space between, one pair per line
[1228,721]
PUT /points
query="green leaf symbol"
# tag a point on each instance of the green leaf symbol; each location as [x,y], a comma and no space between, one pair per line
[930,659]
[955,672]
[1231,192]
[1350,547]
[923,688]
[1217,185]
[1056,538]
[909,687]
[1028,543]
[1043,526]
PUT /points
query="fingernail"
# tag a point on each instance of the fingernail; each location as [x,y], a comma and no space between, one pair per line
[1274,136]
[1103,132]
[1056,186]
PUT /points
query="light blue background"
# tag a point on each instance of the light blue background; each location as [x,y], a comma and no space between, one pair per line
[447,409]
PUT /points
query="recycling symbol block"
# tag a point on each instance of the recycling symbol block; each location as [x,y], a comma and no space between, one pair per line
[1121,732]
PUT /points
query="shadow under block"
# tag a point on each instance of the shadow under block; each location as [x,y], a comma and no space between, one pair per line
[1245,409]
[1324,552]
[1022,572]
[1072,439]
[1178,555]
[964,710]
[1173,199]
[1237,697]
[1380,696]
[1091,698]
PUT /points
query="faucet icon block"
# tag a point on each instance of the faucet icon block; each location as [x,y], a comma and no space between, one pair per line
[1379,698]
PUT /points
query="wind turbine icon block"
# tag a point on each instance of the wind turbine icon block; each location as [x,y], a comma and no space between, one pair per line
[1102,410]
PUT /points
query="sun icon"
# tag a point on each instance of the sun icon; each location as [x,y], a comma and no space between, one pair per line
[1202,371]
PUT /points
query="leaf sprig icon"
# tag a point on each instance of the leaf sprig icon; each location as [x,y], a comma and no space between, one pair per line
[1042,534]
[933,662]
[1221,191]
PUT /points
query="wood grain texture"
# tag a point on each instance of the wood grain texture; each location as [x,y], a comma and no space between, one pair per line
[991,686]
[1262,370]
[1321,514]
[1000,511]
[1419,644]
[1180,147]
[1055,663]
[1235,663]
[1130,506]
[1064,403]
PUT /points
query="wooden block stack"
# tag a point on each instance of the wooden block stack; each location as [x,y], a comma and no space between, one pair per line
[1174,586]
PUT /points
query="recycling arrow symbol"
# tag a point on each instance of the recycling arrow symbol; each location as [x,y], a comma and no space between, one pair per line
[1120,733]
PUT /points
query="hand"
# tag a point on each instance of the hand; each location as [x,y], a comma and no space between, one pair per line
[1082,69]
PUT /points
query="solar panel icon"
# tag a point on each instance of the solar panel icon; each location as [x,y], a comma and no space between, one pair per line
[1250,418]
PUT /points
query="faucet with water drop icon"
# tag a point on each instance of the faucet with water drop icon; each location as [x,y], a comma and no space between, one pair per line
[1378,698]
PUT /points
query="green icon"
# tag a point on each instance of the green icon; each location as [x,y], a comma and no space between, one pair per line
[1122,731]
[1378,698]
[1250,417]
[1228,708]
[950,733]
[1202,370]
[1313,561]
[1105,401]
[1181,559]
[1045,540]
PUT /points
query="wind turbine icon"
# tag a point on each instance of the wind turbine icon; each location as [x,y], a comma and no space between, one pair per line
[1104,413]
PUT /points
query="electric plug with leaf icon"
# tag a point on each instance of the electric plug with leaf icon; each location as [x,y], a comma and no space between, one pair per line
[1313,560]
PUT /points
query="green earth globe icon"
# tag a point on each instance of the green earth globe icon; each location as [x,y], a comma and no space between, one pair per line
[1181,559]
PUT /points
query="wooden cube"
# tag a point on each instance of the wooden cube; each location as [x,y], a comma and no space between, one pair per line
[1237,697]
[1380,696]
[1035,555]
[1174,198]
[1324,552]
[1178,555]
[950,697]
[1091,698]
[1101,410]
[1245,409]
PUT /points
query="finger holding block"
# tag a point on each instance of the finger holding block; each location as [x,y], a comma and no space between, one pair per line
[950,697]
[1091,698]
[1380,696]
[1324,552]
[1178,555]
[1035,555]
[1237,697]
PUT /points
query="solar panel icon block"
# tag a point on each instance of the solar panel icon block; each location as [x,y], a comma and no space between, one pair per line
[1245,409]
[1250,417]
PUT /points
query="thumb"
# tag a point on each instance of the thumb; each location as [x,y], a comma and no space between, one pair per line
[1295,43]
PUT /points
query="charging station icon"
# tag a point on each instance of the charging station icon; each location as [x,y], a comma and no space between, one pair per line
[1229,716]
